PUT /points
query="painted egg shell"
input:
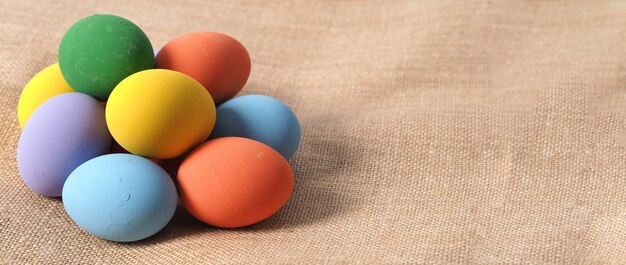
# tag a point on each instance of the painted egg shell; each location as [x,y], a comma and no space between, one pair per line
[99,51]
[61,134]
[219,62]
[233,182]
[160,113]
[120,197]
[261,118]
[44,85]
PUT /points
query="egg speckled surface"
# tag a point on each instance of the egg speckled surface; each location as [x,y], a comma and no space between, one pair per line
[62,133]
[261,118]
[99,51]
[219,62]
[46,84]
[120,197]
[160,113]
[233,182]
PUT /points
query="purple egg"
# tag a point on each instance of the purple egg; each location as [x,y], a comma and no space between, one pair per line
[61,134]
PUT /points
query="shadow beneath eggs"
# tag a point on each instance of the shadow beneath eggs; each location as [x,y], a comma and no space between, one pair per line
[55,199]
[182,225]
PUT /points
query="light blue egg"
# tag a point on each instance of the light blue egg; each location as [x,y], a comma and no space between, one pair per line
[120,197]
[261,118]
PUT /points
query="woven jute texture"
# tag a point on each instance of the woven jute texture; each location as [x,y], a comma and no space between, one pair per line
[433,131]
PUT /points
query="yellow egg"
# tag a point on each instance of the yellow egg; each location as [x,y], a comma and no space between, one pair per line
[44,85]
[160,113]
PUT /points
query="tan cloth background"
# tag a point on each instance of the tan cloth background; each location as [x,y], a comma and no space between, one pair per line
[433,131]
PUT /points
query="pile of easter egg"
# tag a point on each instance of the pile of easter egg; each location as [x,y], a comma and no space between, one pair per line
[121,133]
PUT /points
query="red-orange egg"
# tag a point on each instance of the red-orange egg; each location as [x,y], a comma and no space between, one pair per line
[219,62]
[234,182]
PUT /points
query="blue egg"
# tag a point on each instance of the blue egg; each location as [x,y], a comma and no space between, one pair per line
[120,197]
[261,118]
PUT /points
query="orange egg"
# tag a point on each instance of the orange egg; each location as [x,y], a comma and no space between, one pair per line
[234,182]
[219,62]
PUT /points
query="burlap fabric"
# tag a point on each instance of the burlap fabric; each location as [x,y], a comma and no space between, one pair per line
[433,131]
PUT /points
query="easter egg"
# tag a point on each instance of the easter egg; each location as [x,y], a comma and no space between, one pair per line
[120,197]
[261,118]
[160,113]
[219,62]
[61,134]
[234,182]
[99,51]
[44,85]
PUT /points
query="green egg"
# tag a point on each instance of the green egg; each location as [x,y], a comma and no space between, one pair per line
[99,51]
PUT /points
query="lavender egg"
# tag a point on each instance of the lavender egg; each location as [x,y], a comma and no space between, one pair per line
[61,134]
